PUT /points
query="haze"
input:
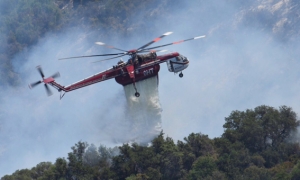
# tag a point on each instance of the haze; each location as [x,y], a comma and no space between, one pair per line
[241,64]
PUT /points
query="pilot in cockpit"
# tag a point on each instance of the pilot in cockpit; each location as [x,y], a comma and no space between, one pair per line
[129,61]
[121,63]
[133,60]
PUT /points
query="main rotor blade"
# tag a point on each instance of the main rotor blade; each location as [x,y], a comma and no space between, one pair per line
[177,42]
[154,50]
[56,75]
[32,85]
[155,40]
[108,46]
[108,58]
[39,68]
[91,56]
[49,92]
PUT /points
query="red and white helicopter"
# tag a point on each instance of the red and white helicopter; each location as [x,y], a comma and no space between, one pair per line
[139,67]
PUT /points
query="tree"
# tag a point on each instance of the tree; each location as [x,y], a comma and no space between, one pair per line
[262,127]
[24,174]
[264,130]
[233,157]
[91,156]
[76,168]
[170,160]
[281,171]
[203,167]
[60,168]
[295,174]
[199,144]
[195,145]
[44,170]
[256,173]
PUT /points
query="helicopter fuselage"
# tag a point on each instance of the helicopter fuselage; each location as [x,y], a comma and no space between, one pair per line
[139,66]
[125,74]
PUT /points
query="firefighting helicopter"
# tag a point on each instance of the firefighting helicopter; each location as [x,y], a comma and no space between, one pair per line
[138,67]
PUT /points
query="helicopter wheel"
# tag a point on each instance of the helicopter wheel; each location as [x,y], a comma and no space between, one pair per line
[137,94]
[181,75]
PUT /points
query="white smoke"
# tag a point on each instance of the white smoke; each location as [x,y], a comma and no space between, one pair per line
[144,112]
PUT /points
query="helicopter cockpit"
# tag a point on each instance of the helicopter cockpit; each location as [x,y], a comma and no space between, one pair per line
[141,58]
[178,63]
[120,63]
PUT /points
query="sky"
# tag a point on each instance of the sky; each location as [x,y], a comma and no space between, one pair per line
[240,65]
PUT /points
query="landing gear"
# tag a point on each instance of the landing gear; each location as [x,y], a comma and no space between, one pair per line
[137,94]
[181,75]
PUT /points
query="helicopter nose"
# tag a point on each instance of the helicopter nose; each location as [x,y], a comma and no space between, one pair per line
[185,59]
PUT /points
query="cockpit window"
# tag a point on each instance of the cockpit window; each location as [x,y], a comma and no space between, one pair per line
[183,58]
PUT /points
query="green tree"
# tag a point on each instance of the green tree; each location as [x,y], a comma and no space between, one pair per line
[24,174]
[295,173]
[91,156]
[282,171]
[203,167]
[60,168]
[258,161]
[76,168]
[264,130]
[170,160]
[256,173]
[262,127]
[233,157]
[195,145]
[43,170]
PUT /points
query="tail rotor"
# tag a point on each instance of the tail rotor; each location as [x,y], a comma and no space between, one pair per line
[39,68]
[45,81]
[32,85]
[56,75]
[48,90]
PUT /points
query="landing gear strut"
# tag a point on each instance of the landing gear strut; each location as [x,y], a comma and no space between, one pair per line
[137,94]
[181,75]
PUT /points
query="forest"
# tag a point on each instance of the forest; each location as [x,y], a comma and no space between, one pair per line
[260,143]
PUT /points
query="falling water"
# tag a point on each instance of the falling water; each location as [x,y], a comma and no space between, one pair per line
[144,112]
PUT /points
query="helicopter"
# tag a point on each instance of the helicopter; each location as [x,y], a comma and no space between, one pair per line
[138,67]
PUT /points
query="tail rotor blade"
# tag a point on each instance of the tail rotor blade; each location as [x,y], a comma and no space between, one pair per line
[56,75]
[39,68]
[32,85]
[49,92]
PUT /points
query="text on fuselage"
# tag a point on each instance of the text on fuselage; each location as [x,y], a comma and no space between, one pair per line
[148,72]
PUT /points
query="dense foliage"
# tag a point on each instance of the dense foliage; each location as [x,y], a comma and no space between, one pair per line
[22,24]
[256,144]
